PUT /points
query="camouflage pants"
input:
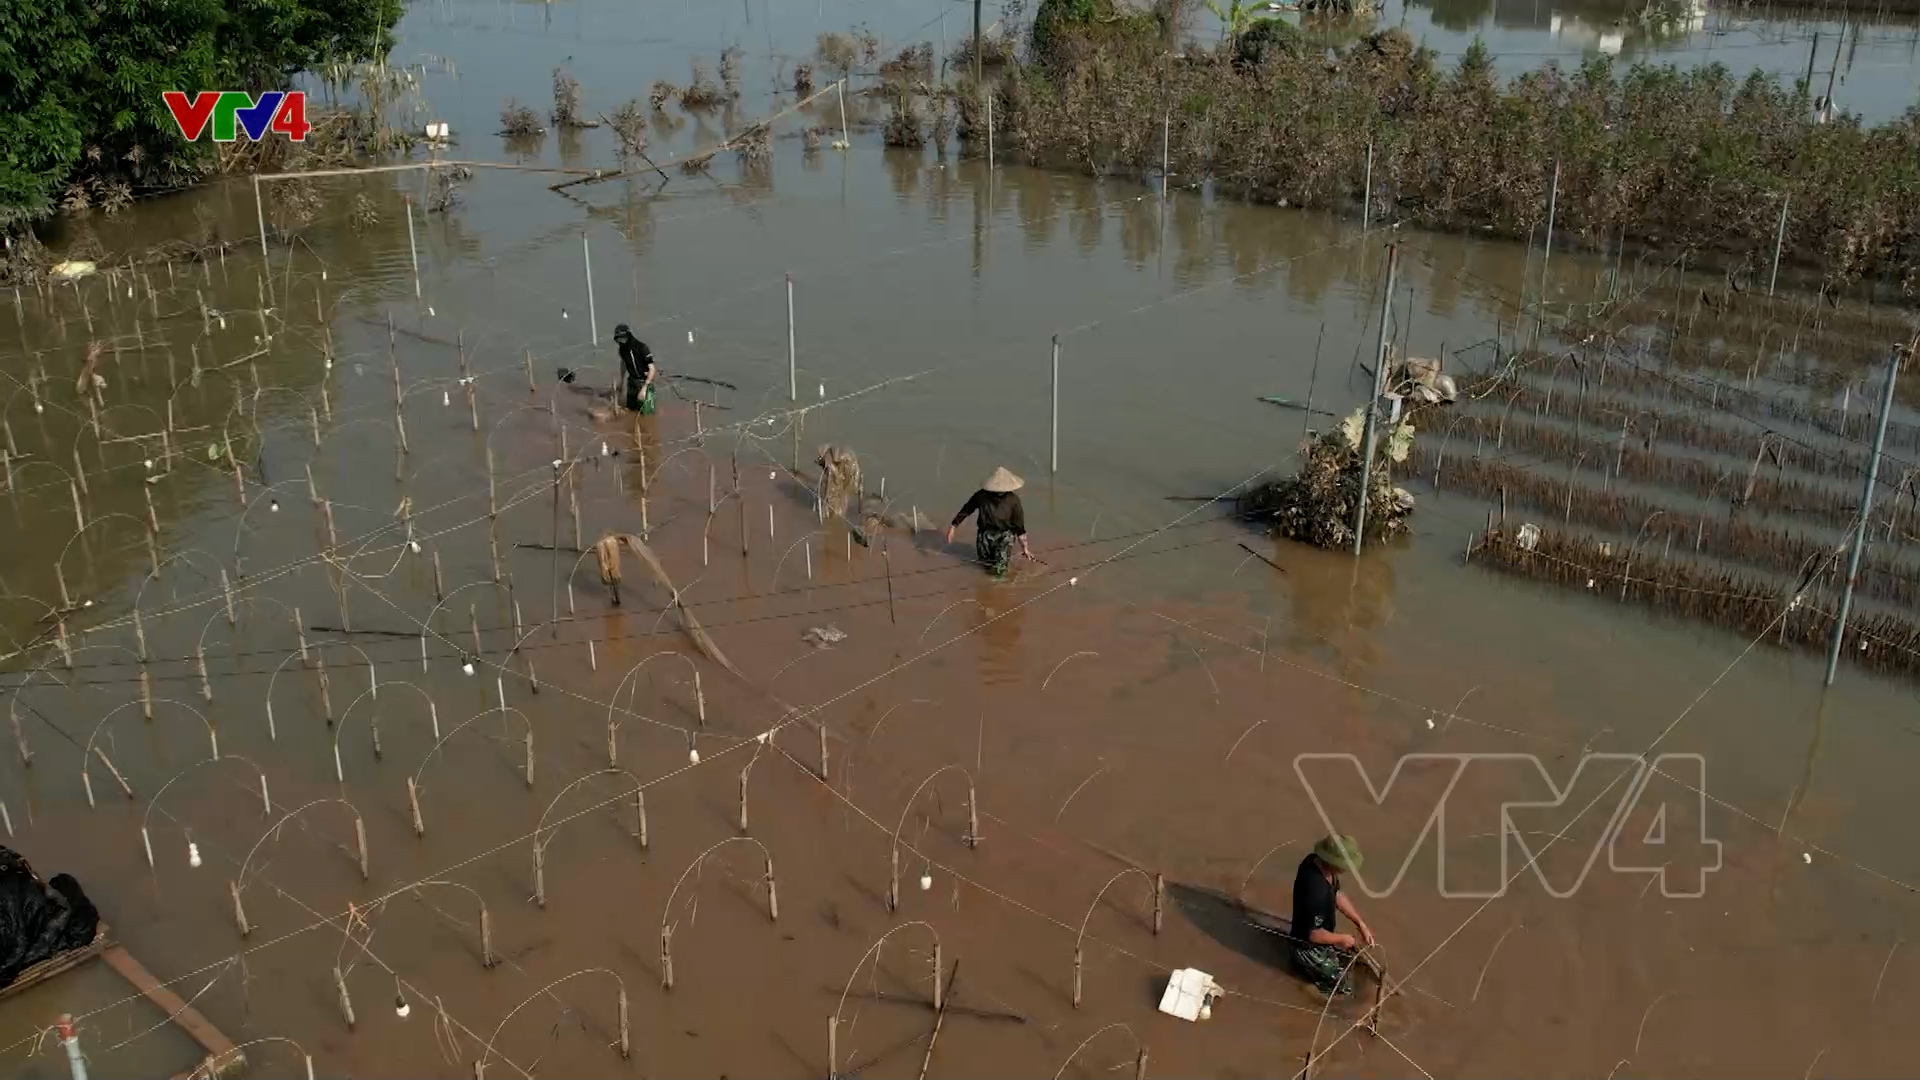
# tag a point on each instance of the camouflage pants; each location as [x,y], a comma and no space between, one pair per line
[1324,966]
[994,548]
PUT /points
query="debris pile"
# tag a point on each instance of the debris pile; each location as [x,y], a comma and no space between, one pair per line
[1316,505]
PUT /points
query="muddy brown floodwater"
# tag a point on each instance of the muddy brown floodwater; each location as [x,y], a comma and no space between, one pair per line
[1134,705]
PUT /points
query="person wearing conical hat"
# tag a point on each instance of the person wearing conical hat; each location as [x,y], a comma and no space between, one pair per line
[1322,954]
[1001,521]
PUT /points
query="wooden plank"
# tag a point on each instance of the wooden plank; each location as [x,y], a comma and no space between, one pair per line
[183,1015]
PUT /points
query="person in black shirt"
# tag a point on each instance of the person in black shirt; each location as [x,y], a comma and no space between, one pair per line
[1322,954]
[1002,521]
[636,362]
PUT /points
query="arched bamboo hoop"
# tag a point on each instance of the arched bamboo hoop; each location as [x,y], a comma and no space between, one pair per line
[1139,1051]
[540,841]
[624,1045]
[146,816]
[1156,893]
[613,703]
[457,728]
[373,723]
[971,839]
[237,887]
[873,951]
[92,749]
[666,912]
[1063,663]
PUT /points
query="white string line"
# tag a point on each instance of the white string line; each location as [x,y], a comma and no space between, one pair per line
[792,717]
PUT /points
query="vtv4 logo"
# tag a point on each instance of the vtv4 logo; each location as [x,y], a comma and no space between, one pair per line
[233,112]
[1637,832]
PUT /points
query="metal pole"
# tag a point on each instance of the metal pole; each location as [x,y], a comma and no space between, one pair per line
[793,371]
[1546,256]
[1860,525]
[76,1064]
[1166,156]
[1373,403]
[593,314]
[989,138]
[1779,240]
[260,215]
[846,141]
[1056,403]
[1826,102]
[1812,52]
[976,42]
[413,249]
[1366,199]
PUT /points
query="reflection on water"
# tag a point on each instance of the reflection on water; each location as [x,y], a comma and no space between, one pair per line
[998,620]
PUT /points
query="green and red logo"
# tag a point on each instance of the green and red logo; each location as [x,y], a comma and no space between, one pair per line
[234,113]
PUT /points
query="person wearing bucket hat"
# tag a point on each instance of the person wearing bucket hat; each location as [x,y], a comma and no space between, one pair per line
[636,362]
[1002,521]
[1322,954]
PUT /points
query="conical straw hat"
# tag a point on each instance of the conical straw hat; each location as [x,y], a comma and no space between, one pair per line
[1002,481]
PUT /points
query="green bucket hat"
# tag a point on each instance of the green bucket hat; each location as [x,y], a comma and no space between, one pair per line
[1339,852]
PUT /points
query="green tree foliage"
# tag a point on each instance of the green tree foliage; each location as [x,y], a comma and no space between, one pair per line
[80,80]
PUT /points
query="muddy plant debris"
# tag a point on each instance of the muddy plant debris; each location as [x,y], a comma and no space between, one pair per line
[1316,505]
[701,92]
[914,64]
[661,94]
[1884,575]
[1469,148]
[629,124]
[730,72]
[803,79]
[566,101]
[906,127]
[1722,598]
[520,122]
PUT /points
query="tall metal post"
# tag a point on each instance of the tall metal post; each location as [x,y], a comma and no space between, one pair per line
[260,215]
[793,370]
[1366,197]
[413,249]
[1373,403]
[1055,456]
[1166,153]
[1779,241]
[1860,524]
[976,42]
[1553,205]
[593,314]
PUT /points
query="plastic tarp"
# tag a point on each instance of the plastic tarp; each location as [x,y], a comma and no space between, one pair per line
[39,920]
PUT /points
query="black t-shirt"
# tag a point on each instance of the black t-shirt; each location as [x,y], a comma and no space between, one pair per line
[1312,901]
[999,510]
[636,358]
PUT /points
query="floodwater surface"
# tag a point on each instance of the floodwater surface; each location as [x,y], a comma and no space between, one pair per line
[1019,763]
